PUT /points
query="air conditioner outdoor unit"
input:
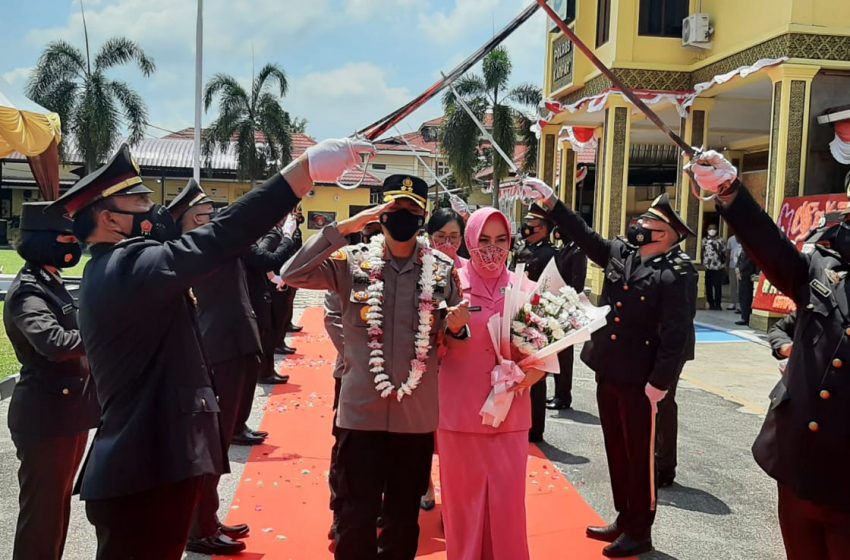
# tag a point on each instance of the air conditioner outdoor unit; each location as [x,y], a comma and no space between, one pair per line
[697,31]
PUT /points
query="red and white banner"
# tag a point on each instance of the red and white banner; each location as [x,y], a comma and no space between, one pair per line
[797,218]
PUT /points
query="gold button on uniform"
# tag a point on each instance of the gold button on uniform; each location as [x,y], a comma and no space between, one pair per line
[66,391]
[813,426]
[625,287]
[836,363]
[617,319]
[619,304]
[847,332]
[614,337]
[643,298]
[647,343]
[825,394]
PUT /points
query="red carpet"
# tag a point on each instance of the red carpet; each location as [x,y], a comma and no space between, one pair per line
[283,494]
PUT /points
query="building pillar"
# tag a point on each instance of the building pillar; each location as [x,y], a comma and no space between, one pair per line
[694,130]
[789,132]
[615,165]
[568,175]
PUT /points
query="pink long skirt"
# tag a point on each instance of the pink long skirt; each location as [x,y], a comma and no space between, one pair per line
[483,489]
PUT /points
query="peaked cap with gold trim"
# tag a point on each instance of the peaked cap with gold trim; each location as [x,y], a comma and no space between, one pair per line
[120,176]
[191,196]
[661,209]
[406,186]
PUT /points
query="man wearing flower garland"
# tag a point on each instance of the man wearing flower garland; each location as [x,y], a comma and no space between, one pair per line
[399,298]
[637,355]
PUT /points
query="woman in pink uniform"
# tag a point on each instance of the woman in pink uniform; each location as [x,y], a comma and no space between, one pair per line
[445,232]
[482,469]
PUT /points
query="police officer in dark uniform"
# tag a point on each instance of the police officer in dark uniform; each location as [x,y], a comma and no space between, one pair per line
[231,340]
[536,253]
[636,355]
[667,421]
[572,265]
[54,403]
[159,432]
[804,443]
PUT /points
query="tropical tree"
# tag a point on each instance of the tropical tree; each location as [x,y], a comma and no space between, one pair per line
[511,121]
[245,117]
[89,103]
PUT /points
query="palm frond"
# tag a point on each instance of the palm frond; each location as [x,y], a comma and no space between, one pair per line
[497,69]
[134,109]
[269,74]
[230,90]
[504,134]
[95,123]
[526,95]
[120,50]
[528,139]
[59,62]
[274,122]
[469,85]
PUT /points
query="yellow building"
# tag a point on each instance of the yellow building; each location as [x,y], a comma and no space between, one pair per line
[748,78]
[166,165]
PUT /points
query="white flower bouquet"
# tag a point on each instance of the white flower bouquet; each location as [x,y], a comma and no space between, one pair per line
[537,322]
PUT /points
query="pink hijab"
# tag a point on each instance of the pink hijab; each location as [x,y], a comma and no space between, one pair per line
[474,226]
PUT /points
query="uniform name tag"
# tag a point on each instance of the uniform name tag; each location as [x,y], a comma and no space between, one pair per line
[820,288]
[67,309]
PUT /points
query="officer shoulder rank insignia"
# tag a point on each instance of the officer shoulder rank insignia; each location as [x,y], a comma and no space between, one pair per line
[339,255]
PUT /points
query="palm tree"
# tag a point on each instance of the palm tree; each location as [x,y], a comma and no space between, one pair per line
[90,104]
[245,117]
[489,92]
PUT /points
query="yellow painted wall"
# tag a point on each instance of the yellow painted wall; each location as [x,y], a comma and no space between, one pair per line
[332,199]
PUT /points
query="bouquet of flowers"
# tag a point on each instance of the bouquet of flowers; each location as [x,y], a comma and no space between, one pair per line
[536,323]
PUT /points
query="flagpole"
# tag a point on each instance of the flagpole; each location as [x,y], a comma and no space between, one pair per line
[199,73]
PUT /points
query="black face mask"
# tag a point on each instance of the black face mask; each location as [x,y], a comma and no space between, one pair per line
[402,224]
[41,248]
[838,239]
[154,224]
[639,235]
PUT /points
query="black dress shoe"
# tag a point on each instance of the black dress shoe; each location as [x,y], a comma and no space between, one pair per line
[247,438]
[217,544]
[742,323]
[274,379]
[626,546]
[550,400]
[285,350]
[294,328]
[664,480]
[558,404]
[609,533]
[259,433]
[535,438]
[239,531]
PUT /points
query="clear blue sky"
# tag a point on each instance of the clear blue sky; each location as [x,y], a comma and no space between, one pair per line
[349,62]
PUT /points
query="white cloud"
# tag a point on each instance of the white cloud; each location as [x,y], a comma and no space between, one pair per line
[448,27]
[339,101]
[18,77]
[361,10]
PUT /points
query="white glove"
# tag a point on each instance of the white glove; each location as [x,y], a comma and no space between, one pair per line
[458,205]
[290,225]
[712,170]
[329,159]
[536,190]
[654,395]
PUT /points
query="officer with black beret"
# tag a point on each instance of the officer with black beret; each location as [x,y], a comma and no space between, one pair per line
[637,354]
[54,403]
[159,433]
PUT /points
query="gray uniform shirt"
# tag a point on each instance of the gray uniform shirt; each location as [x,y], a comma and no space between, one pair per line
[325,262]
[333,326]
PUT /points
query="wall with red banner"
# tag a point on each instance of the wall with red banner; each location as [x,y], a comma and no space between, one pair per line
[797,218]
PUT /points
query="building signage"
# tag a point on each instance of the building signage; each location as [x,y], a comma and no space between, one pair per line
[562,63]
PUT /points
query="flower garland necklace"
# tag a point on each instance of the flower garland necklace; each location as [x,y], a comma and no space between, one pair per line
[375,319]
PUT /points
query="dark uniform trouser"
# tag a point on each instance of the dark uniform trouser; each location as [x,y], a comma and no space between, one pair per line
[46,476]
[149,525]
[286,311]
[564,380]
[538,410]
[667,431]
[332,472]
[229,380]
[246,395]
[372,464]
[714,287]
[745,298]
[627,426]
[812,531]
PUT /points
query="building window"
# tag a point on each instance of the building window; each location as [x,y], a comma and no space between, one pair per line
[662,18]
[566,10]
[379,166]
[603,21]
[376,197]
[442,168]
